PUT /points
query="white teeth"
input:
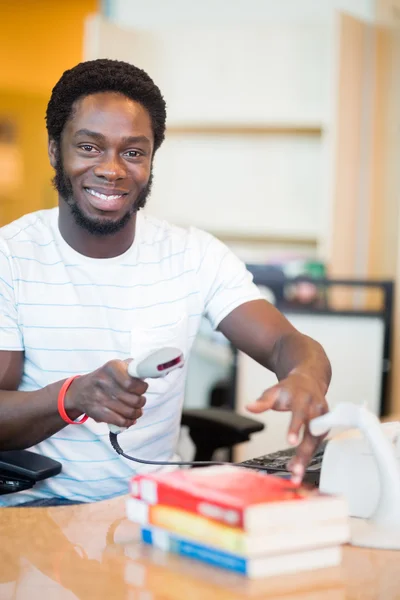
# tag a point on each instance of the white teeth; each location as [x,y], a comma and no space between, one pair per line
[103,196]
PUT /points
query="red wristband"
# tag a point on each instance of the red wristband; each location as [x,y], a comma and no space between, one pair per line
[60,403]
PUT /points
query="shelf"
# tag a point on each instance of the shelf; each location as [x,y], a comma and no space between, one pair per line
[245,129]
[287,240]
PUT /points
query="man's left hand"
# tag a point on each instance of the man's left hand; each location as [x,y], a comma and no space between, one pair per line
[305,398]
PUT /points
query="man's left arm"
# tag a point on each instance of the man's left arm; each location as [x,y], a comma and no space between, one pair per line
[303,370]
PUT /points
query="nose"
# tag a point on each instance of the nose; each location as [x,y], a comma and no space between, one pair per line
[111,168]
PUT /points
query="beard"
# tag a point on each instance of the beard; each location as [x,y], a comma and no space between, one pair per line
[95,225]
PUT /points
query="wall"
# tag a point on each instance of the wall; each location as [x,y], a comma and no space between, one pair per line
[157,18]
[39,39]
[33,190]
[154,14]
[245,131]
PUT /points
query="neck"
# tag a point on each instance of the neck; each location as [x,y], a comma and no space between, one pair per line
[91,245]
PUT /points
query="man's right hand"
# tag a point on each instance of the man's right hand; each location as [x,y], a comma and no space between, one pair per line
[108,395]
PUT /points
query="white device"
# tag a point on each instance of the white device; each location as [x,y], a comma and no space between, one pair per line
[347,470]
[152,365]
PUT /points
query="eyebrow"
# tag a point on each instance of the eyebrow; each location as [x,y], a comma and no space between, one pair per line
[102,138]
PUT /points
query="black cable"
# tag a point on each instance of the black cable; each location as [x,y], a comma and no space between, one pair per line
[197,463]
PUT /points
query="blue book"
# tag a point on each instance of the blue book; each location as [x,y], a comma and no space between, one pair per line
[261,566]
[173,543]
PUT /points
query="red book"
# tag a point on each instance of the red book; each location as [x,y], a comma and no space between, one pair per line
[237,497]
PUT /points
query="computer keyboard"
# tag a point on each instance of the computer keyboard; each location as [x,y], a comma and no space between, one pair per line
[276,463]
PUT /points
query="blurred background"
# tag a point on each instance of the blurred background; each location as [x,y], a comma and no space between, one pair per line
[282,140]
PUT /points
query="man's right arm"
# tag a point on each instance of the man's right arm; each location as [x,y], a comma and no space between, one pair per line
[109,395]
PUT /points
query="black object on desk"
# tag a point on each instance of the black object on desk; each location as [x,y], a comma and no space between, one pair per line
[276,463]
[21,469]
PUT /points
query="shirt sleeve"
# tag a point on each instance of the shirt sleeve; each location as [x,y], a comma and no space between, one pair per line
[224,281]
[10,333]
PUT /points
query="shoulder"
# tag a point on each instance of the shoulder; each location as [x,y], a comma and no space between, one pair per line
[30,229]
[190,239]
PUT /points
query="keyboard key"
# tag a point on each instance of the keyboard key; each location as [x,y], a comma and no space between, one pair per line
[276,463]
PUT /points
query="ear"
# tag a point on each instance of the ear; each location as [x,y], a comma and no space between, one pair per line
[53,152]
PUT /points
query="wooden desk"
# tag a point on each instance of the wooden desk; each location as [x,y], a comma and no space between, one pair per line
[92,552]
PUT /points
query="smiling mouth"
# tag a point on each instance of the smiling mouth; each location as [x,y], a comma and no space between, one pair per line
[106,202]
[104,196]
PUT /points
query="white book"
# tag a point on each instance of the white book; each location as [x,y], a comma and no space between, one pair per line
[254,568]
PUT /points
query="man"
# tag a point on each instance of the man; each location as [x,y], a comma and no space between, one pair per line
[88,285]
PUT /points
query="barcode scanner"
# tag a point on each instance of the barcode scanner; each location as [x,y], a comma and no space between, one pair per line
[152,365]
[157,363]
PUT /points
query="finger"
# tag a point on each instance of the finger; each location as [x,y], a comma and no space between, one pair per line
[319,408]
[276,397]
[130,400]
[106,415]
[127,405]
[300,416]
[290,464]
[304,454]
[118,369]
[132,414]
[315,409]
[128,412]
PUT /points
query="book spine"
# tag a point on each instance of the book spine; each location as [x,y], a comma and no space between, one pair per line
[172,543]
[185,500]
[182,523]
[227,539]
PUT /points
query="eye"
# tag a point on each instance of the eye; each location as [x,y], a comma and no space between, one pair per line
[133,153]
[87,147]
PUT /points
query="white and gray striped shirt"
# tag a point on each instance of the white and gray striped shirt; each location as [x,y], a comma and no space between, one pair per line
[71,314]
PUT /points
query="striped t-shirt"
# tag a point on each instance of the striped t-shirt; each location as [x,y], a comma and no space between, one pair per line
[70,314]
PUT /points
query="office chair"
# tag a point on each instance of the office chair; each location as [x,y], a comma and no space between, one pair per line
[209,428]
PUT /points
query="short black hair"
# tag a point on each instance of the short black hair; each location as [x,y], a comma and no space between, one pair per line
[104,75]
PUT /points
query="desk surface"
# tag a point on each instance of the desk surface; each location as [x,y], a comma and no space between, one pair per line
[92,552]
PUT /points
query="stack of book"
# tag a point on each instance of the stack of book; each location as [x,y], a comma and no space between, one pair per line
[241,520]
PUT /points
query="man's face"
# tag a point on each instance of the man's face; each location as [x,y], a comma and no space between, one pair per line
[104,169]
